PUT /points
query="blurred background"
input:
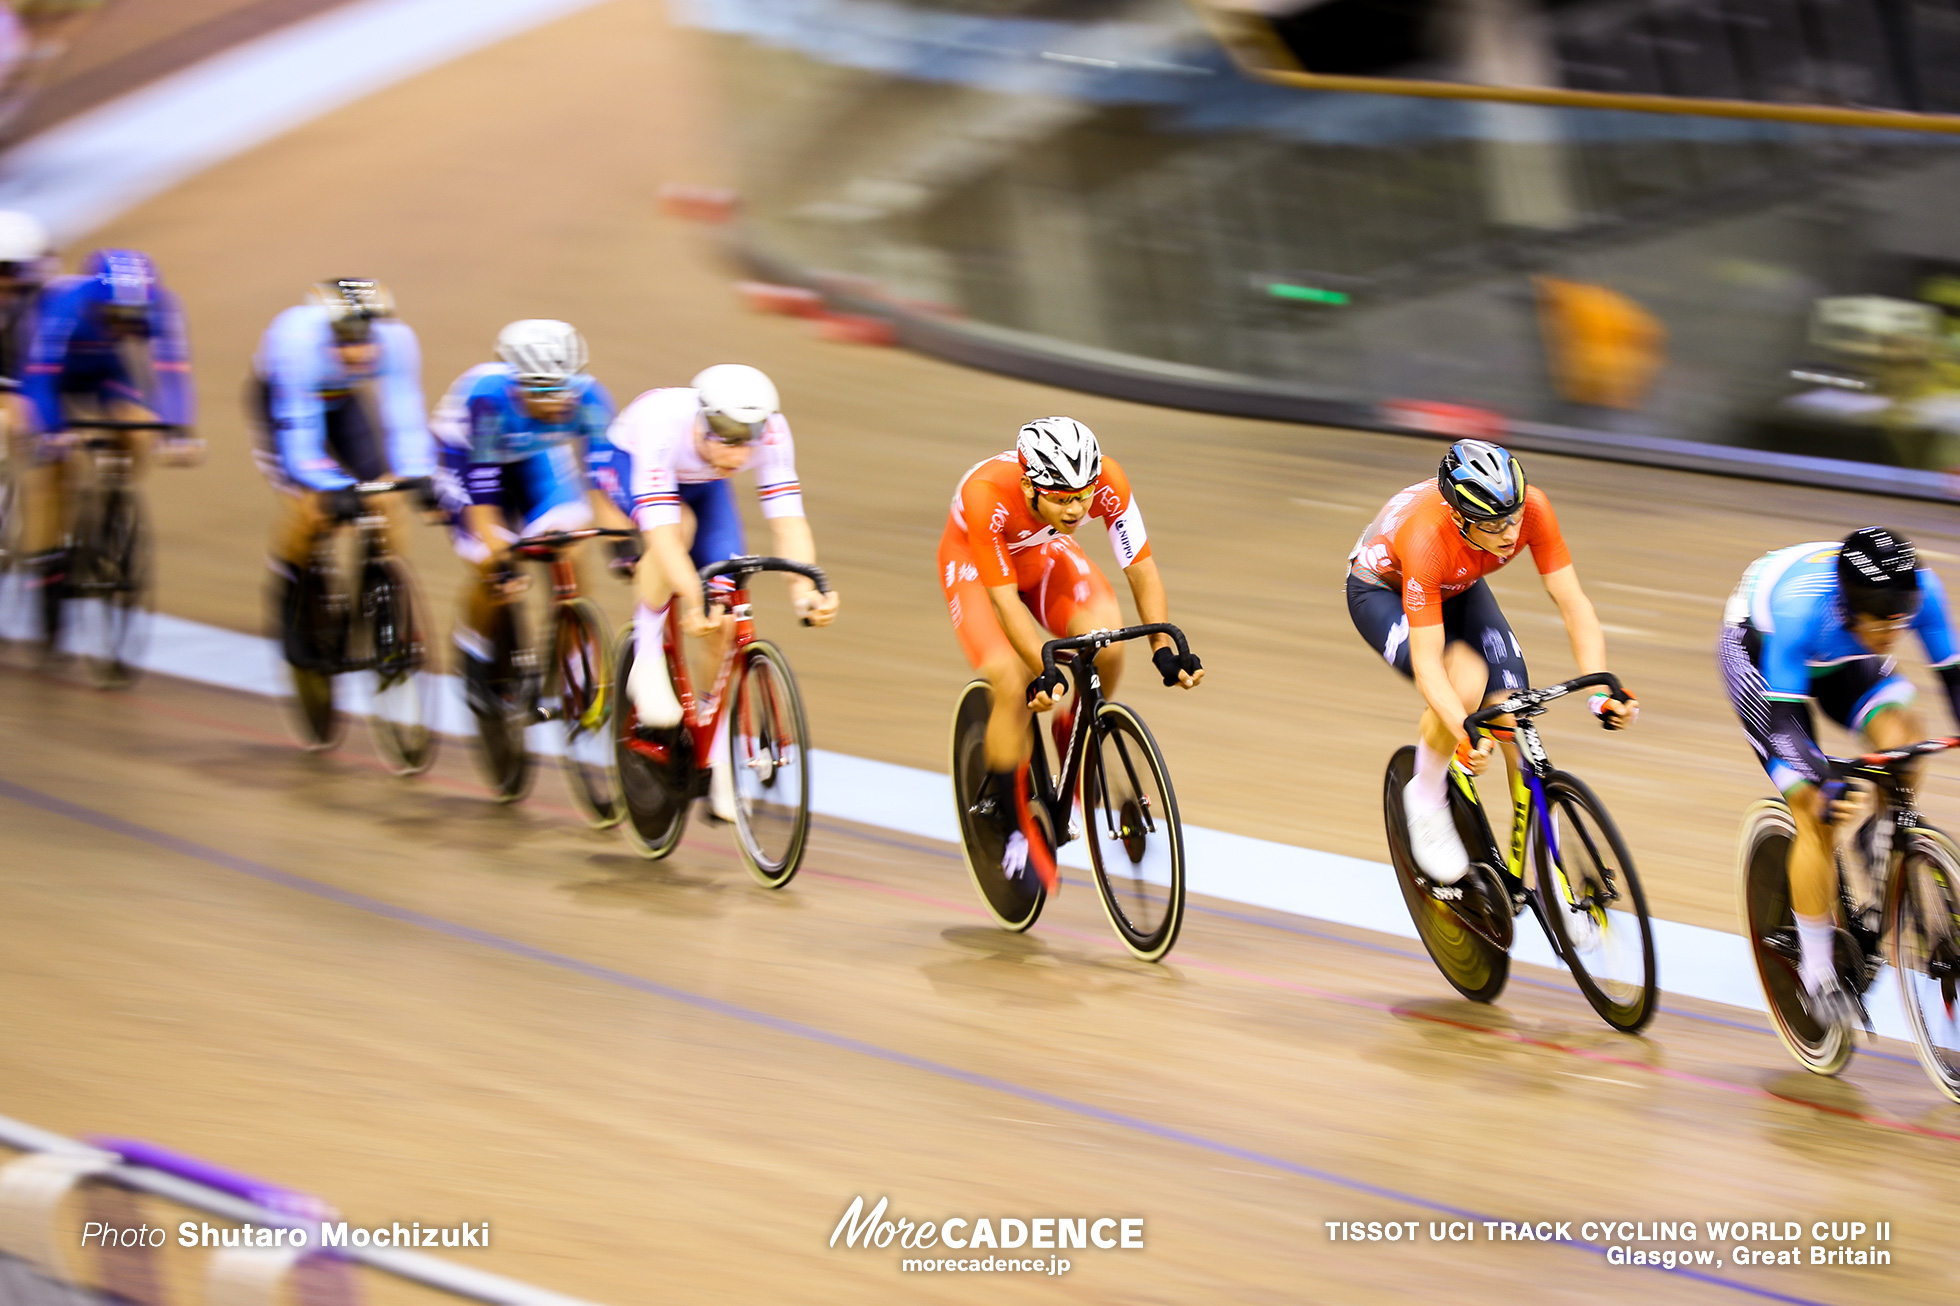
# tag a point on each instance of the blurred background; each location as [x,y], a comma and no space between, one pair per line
[1102,176]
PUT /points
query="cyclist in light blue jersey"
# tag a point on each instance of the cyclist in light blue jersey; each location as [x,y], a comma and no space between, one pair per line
[337,396]
[513,436]
[1818,623]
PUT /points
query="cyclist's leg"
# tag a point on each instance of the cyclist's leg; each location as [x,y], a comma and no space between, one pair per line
[1482,638]
[717,537]
[479,532]
[1812,860]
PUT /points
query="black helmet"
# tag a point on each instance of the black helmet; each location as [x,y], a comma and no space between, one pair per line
[1481,480]
[1878,573]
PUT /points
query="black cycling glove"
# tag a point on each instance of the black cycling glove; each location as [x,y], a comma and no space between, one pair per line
[626,554]
[1052,682]
[1170,662]
[424,489]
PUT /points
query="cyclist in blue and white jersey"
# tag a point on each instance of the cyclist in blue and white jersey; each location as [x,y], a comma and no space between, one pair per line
[512,437]
[1818,623]
[665,464]
[315,369]
[107,343]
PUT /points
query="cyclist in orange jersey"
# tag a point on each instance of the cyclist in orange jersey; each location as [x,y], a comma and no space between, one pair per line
[1417,594]
[1015,576]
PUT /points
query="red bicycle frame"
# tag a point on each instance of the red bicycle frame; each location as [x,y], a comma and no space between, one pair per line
[701,714]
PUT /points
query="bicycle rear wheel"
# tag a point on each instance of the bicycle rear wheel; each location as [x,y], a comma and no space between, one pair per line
[500,723]
[1474,966]
[120,578]
[1136,842]
[585,704]
[769,751]
[404,697]
[1590,899]
[1763,882]
[1013,901]
[655,776]
[317,718]
[1926,950]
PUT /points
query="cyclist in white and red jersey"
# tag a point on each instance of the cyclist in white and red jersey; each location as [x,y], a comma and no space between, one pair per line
[1416,592]
[665,463]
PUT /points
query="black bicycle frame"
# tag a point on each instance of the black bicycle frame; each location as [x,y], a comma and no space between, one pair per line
[1088,698]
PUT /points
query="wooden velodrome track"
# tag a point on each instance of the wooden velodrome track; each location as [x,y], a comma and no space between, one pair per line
[661,1083]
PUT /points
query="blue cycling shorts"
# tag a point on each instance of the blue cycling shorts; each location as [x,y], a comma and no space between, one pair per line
[539,493]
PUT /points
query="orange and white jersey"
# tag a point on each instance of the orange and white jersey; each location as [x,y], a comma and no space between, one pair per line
[1005,536]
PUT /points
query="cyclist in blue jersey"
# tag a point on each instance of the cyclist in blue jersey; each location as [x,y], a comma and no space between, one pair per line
[512,437]
[107,343]
[1818,623]
[319,368]
[24,266]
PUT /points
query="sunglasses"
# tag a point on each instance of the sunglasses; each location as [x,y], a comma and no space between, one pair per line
[1497,527]
[1063,498]
[723,429]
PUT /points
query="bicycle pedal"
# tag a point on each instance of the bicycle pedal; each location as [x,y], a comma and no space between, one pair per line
[1444,892]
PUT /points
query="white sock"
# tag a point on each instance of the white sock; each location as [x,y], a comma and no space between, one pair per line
[650,632]
[1432,774]
[719,749]
[1817,942]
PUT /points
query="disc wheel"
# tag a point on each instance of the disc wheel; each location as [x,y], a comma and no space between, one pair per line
[1926,951]
[1014,901]
[769,763]
[1136,843]
[403,702]
[655,776]
[117,574]
[1590,898]
[1474,966]
[1763,882]
[585,704]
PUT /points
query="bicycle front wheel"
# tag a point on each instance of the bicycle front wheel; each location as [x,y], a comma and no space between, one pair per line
[654,775]
[1590,899]
[585,704]
[509,707]
[400,710]
[1926,951]
[1763,882]
[1013,900]
[1474,966]
[120,578]
[769,755]
[1136,842]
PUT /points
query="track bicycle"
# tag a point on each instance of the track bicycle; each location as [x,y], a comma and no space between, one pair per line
[109,555]
[1903,906]
[662,772]
[374,625]
[579,693]
[1112,765]
[1584,889]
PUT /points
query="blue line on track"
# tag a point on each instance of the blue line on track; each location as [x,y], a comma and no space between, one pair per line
[61,807]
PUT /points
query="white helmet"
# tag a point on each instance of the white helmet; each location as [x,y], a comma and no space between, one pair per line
[1059,453]
[738,400]
[22,237]
[542,352]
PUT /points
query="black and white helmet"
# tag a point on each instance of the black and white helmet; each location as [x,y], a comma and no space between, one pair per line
[1059,453]
[542,352]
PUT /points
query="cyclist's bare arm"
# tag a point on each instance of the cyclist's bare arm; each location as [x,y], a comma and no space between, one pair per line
[1153,606]
[486,524]
[607,512]
[795,542]
[1583,629]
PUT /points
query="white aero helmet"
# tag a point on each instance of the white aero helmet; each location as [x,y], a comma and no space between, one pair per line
[1059,453]
[542,352]
[22,237]
[737,400]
